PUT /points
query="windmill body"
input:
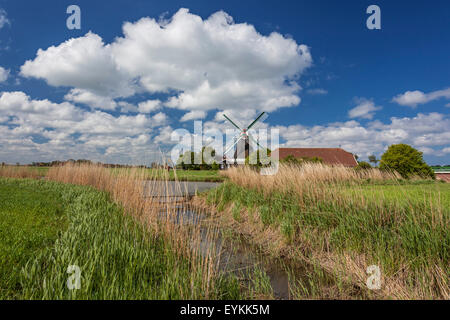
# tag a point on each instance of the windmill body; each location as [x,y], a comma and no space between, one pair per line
[241,144]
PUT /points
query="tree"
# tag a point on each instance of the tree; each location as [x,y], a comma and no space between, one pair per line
[363,165]
[186,160]
[207,157]
[259,158]
[373,159]
[202,160]
[215,166]
[406,160]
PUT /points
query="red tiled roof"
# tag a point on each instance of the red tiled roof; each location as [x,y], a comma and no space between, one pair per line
[329,155]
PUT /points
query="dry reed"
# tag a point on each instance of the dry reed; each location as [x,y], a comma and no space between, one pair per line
[145,198]
[338,195]
[19,172]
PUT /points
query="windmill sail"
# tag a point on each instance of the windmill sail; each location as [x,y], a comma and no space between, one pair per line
[244,137]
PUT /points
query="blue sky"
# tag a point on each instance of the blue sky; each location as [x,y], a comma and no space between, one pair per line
[325,79]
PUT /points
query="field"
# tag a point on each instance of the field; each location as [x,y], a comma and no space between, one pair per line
[30,221]
[48,226]
[340,223]
[320,227]
[180,175]
[187,175]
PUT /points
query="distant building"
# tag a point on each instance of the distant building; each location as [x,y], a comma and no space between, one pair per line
[330,156]
[442,174]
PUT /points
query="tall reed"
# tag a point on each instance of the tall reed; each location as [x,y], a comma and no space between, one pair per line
[19,172]
[345,220]
[144,198]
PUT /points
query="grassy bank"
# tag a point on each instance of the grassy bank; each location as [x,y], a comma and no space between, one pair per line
[343,221]
[48,226]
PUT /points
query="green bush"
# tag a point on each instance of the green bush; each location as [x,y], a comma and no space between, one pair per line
[198,161]
[406,160]
[363,165]
[215,166]
[258,158]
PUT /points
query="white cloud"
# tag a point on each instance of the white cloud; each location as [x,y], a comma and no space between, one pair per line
[91,99]
[66,131]
[365,109]
[149,106]
[71,132]
[203,64]
[4,74]
[192,115]
[126,107]
[3,18]
[423,131]
[160,118]
[164,136]
[84,63]
[36,112]
[414,98]
[317,91]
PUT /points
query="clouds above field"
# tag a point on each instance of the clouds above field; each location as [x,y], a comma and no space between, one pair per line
[429,133]
[117,96]
[188,63]
[200,64]
[41,129]
[44,130]
[414,98]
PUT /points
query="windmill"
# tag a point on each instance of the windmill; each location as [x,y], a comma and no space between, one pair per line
[243,135]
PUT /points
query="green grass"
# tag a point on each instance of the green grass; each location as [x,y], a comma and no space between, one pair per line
[392,225]
[41,170]
[181,175]
[48,226]
[413,194]
[196,175]
[30,221]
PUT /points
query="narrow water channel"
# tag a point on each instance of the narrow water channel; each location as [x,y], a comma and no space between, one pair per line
[236,257]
